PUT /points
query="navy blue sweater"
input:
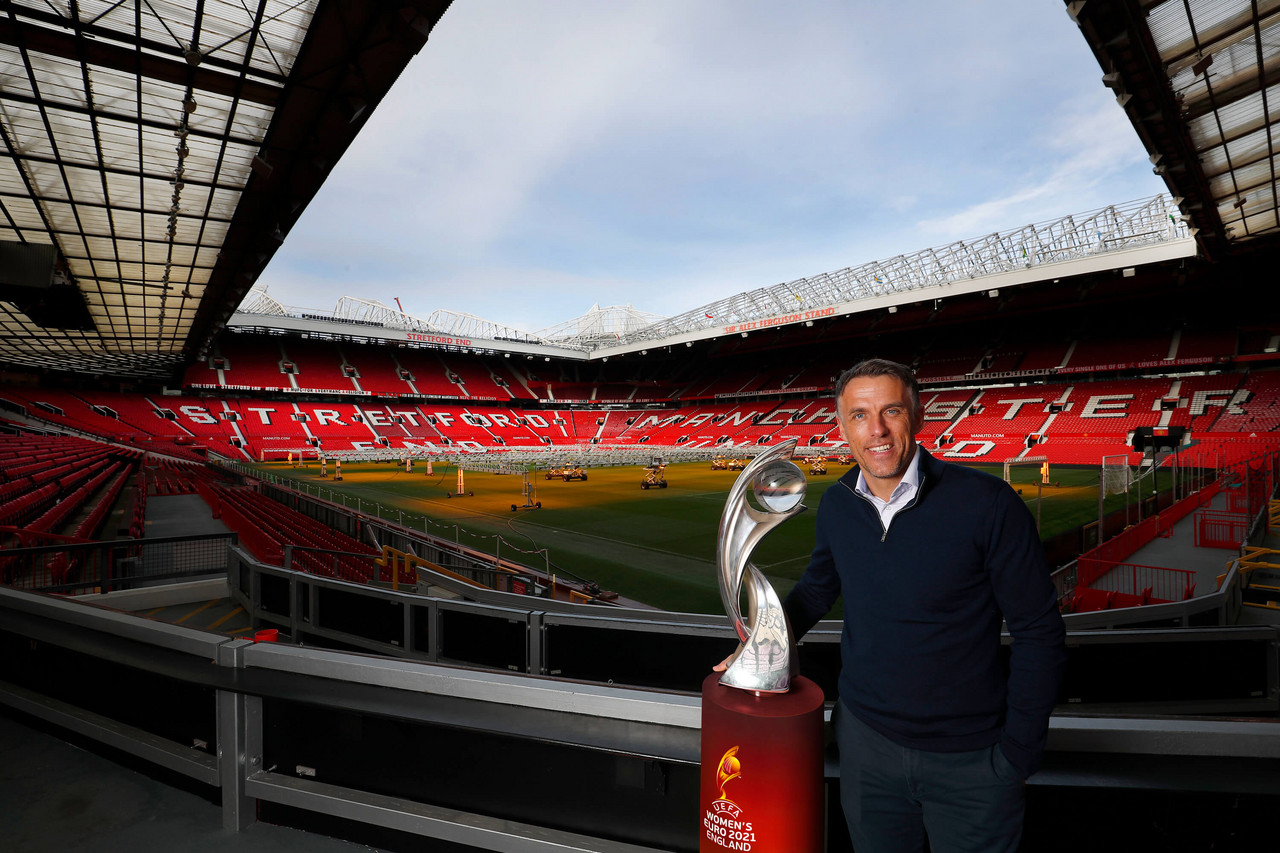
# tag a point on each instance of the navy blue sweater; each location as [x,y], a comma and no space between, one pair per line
[923,603]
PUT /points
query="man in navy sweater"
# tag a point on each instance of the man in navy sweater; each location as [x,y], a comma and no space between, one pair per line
[937,733]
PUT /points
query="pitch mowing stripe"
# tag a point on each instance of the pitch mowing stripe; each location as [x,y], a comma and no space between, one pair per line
[794,561]
[610,541]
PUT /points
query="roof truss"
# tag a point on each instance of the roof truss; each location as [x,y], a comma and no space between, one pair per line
[166,149]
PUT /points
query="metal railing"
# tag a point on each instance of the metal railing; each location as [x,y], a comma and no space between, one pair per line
[73,568]
[272,723]
[1155,583]
[224,713]
[540,636]
[506,630]
[1220,529]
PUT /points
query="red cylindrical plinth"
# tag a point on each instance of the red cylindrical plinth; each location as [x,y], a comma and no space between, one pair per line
[761,769]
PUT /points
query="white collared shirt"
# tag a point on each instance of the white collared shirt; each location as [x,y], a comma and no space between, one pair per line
[903,493]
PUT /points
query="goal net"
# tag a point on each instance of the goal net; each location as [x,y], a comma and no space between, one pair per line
[1029,470]
[1117,476]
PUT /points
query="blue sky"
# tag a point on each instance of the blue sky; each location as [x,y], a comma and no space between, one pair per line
[538,157]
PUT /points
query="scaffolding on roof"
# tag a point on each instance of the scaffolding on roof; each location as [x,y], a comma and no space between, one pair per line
[373,312]
[600,325]
[452,323]
[258,301]
[1125,226]
[461,325]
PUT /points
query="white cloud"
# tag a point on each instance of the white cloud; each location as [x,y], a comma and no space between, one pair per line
[537,159]
[1084,150]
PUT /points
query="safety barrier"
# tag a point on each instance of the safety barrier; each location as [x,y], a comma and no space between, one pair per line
[258,726]
[1098,561]
[399,567]
[1187,506]
[60,564]
[1145,584]
[1095,563]
[1219,529]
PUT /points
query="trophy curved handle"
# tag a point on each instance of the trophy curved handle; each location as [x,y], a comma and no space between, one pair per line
[764,661]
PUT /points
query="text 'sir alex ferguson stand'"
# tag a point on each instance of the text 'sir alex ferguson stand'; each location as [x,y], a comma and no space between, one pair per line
[761,786]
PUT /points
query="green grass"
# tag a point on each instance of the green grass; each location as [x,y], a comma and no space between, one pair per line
[656,546]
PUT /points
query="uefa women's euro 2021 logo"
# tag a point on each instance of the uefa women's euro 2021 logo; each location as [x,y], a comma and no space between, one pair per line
[723,823]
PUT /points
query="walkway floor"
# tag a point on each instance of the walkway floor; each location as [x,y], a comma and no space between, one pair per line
[224,616]
[181,515]
[1179,551]
[59,798]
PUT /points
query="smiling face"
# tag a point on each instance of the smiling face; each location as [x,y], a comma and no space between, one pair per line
[879,422]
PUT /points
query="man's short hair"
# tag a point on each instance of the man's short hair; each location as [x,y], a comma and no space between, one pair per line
[873,367]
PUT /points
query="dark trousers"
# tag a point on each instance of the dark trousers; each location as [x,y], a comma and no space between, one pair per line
[892,795]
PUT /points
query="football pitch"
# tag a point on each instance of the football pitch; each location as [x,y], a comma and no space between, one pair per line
[655,545]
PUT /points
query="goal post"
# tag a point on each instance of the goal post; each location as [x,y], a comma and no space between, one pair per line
[1117,476]
[1032,477]
[1028,470]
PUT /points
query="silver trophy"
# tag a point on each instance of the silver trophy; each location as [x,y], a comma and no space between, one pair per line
[763,662]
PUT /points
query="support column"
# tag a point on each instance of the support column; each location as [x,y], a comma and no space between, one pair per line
[239,742]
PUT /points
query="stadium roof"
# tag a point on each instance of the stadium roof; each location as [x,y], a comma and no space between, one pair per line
[1113,238]
[1200,81]
[164,150]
